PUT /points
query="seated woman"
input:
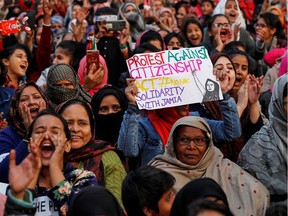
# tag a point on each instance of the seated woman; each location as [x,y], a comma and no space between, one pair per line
[146,136]
[265,154]
[26,103]
[232,10]
[94,78]
[55,182]
[63,84]
[108,107]
[190,154]
[245,91]
[92,154]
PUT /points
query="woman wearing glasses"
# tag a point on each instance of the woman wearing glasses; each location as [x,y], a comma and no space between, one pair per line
[191,154]
[268,29]
[219,33]
[232,10]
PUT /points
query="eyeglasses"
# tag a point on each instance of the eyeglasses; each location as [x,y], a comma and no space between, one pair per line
[259,25]
[185,141]
[222,25]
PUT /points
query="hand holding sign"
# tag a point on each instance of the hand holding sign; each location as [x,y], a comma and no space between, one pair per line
[131,90]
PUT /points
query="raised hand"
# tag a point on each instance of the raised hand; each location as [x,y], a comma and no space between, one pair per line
[93,77]
[20,176]
[254,88]
[131,90]
[242,94]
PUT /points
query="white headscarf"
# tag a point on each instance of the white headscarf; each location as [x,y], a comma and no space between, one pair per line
[220,9]
[245,194]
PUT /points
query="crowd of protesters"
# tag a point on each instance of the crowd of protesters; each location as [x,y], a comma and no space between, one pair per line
[73,140]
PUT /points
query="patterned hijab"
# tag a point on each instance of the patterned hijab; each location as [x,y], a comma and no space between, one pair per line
[59,94]
[245,195]
[14,118]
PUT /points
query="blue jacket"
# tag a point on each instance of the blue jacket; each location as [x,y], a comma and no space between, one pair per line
[10,139]
[5,98]
[138,137]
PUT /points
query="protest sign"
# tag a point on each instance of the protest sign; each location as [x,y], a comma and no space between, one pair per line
[173,77]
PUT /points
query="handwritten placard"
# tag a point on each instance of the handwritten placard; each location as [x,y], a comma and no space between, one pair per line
[173,77]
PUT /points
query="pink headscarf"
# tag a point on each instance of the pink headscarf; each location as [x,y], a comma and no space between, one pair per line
[283,66]
[81,71]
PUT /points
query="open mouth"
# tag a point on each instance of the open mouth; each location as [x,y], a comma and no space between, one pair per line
[233,15]
[238,80]
[34,112]
[47,150]
[23,66]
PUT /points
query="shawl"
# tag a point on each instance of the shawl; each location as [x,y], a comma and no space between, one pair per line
[220,9]
[14,118]
[163,120]
[95,200]
[135,19]
[194,190]
[90,155]
[246,195]
[270,142]
[163,10]
[81,74]
[108,126]
[59,94]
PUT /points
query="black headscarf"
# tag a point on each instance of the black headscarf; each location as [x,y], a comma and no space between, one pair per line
[194,190]
[92,201]
[58,94]
[108,126]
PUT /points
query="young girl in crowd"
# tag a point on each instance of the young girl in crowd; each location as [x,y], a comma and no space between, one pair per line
[108,106]
[231,9]
[207,8]
[55,182]
[16,61]
[68,52]
[192,31]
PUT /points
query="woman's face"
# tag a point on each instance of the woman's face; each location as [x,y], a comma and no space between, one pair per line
[241,66]
[108,105]
[262,27]
[194,34]
[180,14]
[221,23]
[231,10]
[79,125]
[166,18]
[61,56]
[156,43]
[75,10]
[64,84]
[53,130]
[210,86]
[33,100]
[191,153]
[130,8]
[16,64]
[225,65]
[174,43]
[206,8]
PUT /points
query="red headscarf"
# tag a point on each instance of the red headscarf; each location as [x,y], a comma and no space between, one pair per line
[163,120]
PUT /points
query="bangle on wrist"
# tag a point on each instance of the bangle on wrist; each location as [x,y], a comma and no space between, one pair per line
[124,47]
